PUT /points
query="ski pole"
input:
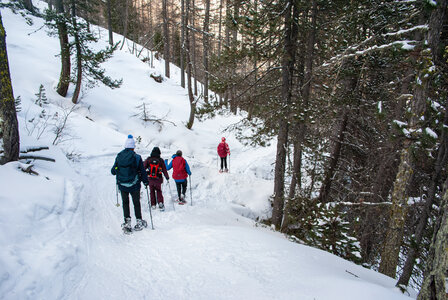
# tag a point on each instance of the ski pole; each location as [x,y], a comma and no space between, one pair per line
[149,205]
[191,197]
[116,192]
[171,194]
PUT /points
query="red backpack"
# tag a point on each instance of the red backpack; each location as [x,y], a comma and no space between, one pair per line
[154,169]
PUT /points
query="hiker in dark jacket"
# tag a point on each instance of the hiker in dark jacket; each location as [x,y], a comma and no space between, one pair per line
[181,170]
[129,171]
[155,166]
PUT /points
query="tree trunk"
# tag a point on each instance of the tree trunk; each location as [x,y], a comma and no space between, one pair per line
[306,91]
[433,287]
[334,159]
[289,53]
[28,5]
[109,23]
[193,48]
[206,47]
[394,236]
[166,38]
[9,127]
[78,55]
[189,68]
[64,77]
[300,128]
[423,219]
[125,22]
[182,45]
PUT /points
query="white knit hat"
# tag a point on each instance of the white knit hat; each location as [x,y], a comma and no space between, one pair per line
[130,143]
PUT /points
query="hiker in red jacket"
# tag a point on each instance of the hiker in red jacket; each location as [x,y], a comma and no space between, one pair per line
[155,166]
[181,170]
[223,151]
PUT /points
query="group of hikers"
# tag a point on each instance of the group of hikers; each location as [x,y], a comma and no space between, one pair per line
[130,170]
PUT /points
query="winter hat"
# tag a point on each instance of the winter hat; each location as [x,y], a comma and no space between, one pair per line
[130,143]
[179,153]
[223,139]
[155,152]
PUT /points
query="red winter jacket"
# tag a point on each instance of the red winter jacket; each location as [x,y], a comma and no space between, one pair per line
[223,149]
[179,170]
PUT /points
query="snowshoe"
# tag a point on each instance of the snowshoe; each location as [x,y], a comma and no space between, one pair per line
[126,226]
[140,225]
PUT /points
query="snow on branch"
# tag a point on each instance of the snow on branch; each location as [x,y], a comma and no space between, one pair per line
[353,51]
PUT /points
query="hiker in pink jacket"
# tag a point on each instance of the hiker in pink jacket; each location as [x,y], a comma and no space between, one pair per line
[223,151]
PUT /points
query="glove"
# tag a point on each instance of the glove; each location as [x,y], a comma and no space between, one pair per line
[167,178]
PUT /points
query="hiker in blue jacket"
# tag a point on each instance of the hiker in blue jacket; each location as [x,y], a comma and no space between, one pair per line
[129,171]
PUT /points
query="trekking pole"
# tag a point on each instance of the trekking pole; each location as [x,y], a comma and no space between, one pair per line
[191,197]
[149,205]
[116,192]
[171,194]
[229,163]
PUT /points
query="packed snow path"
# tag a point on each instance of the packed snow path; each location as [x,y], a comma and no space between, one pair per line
[204,251]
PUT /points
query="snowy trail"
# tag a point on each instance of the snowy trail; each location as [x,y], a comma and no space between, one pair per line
[204,251]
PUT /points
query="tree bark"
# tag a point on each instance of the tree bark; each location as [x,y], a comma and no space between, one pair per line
[125,22]
[166,38]
[78,55]
[206,48]
[288,60]
[189,68]
[423,219]
[182,45]
[29,5]
[109,22]
[9,127]
[64,77]
[193,48]
[334,159]
[433,287]
[394,236]
[300,128]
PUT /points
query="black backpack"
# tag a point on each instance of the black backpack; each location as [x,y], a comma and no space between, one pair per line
[154,169]
[127,168]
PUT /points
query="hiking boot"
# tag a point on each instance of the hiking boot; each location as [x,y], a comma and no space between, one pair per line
[126,226]
[182,199]
[161,205]
[140,225]
[153,206]
[226,170]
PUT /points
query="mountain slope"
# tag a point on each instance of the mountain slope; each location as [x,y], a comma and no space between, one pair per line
[62,236]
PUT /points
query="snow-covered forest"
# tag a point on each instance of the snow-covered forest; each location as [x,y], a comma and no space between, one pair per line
[334,112]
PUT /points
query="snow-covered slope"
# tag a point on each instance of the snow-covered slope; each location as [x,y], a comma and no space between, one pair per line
[61,236]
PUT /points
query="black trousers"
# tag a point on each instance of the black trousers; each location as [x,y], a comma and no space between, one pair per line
[136,200]
[223,162]
[181,188]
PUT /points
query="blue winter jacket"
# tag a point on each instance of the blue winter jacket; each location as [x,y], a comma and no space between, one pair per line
[140,171]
